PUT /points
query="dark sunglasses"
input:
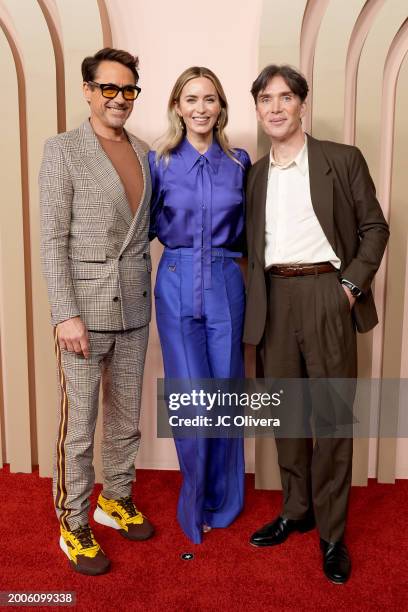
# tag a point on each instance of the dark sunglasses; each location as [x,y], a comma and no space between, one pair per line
[109,90]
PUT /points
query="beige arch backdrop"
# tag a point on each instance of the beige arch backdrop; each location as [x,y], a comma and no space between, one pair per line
[355,61]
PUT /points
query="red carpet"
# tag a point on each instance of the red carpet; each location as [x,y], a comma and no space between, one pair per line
[226,573]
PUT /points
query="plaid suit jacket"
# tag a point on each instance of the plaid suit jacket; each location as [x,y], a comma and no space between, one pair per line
[94,253]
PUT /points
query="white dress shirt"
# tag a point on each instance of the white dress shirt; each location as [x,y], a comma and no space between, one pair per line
[293,233]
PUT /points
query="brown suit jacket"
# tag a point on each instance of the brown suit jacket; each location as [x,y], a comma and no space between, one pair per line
[343,198]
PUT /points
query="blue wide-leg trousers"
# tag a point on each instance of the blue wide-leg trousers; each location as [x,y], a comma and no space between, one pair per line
[212,490]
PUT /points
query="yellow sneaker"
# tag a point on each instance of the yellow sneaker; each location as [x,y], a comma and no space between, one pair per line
[83,551]
[122,514]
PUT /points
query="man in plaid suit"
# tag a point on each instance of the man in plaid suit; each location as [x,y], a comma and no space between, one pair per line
[95,190]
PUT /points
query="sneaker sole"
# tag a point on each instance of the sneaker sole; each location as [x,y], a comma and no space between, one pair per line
[104,519]
[74,566]
[64,547]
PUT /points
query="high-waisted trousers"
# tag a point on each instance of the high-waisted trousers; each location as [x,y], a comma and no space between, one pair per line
[212,488]
[310,334]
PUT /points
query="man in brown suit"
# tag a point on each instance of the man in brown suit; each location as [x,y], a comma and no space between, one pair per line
[316,236]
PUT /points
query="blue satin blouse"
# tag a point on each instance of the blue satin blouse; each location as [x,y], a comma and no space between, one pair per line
[198,202]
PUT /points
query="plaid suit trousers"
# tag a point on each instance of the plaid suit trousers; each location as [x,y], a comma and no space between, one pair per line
[116,358]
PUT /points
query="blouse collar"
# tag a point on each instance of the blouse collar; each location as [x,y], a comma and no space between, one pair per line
[191,156]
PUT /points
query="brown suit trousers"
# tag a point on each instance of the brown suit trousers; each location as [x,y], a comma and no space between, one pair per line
[310,333]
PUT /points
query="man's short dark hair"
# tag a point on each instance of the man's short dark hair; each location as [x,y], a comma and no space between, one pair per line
[90,64]
[292,77]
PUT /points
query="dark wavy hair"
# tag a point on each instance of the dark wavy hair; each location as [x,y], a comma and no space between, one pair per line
[292,77]
[90,64]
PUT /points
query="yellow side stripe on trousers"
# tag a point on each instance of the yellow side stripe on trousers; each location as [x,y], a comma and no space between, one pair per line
[61,494]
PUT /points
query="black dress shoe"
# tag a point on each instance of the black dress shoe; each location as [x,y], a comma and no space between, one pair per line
[336,561]
[279,531]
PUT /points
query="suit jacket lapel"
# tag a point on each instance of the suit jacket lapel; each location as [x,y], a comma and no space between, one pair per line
[105,175]
[144,164]
[145,199]
[259,205]
[321,188]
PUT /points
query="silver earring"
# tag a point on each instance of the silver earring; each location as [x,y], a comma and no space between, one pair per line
[181,124]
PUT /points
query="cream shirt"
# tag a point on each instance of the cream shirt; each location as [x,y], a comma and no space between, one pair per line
[293,233]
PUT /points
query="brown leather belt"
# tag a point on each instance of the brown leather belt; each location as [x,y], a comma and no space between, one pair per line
[301,269]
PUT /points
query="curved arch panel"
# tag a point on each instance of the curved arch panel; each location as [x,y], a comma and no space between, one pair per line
[392,189]
[40,70]
[329,68]
[401,461]
[395,57]
[105,23]
[357,39]
[16,302]
[312,19]
[52,19]
[367,138]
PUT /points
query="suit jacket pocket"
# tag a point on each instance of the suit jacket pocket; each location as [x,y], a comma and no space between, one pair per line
[85,253]
[88,262]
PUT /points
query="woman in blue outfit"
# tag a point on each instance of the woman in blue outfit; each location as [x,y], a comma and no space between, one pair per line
[198,215]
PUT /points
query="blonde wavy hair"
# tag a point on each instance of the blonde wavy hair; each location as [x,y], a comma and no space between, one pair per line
[176,128]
